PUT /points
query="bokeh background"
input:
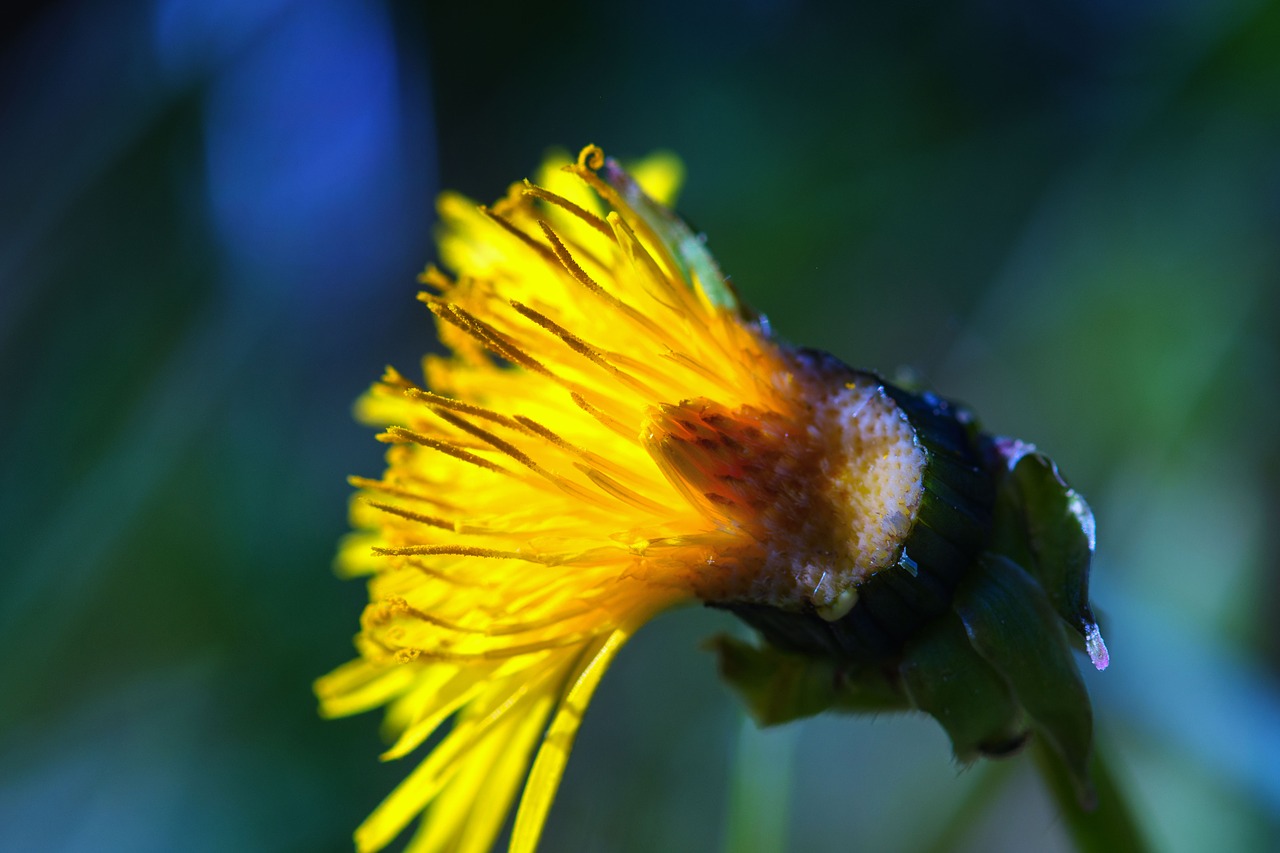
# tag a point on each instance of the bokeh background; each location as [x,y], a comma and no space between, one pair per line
[1065,213]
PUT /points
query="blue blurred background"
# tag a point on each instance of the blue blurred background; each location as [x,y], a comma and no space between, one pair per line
[211,215]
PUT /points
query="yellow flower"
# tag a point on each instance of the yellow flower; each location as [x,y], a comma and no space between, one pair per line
[612,434]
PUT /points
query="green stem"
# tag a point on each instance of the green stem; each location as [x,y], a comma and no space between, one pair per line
[991,779]
[760,797]
[1110,824]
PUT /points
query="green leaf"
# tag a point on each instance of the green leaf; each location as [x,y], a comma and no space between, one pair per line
[947,679]
[1012,625]
[1048,528]
[778,687]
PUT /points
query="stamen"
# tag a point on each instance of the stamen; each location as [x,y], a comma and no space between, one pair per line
[461,551]
[520,456]
[498,343]
[532,189]
[616,201]
[489,337]
[586,350]
[399,605]
[399,491]
[407,435]
[595,460]
[508,226]
[489,438]
[566,259]
[438,401]
[453,526]
[408,655]
[410,515]
[609,422]
[542,432]
[591,157]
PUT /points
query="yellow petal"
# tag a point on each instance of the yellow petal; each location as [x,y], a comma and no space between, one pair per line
[660,175]
[522,531]
[469,812]
[480,722]
[544,778]
[359,685]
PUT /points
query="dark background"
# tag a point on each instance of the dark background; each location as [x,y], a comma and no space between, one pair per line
[211,216]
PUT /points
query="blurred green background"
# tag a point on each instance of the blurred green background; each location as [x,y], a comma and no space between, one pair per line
[1066,214]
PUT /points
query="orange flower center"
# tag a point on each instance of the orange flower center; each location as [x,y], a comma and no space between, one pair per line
[818,499]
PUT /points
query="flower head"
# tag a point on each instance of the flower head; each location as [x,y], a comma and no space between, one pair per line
[613,434]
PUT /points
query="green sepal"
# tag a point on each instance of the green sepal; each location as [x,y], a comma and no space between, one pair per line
[946,678]
[1014,627]
[778,686]
[688,248]
[1048,528]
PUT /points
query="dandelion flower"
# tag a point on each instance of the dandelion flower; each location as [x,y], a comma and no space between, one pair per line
[613,434]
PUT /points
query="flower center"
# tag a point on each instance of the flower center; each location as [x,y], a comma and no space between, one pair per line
[820,497]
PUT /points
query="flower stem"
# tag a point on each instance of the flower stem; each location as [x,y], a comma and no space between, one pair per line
[991,779]
[1110,824]
[760,797]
